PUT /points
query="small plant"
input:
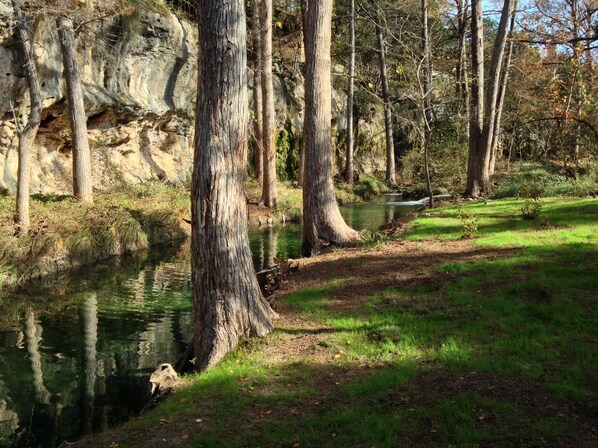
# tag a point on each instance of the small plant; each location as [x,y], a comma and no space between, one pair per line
[374,238]
[469,221]
[532,193]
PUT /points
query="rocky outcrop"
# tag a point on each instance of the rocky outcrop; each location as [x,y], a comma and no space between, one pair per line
[140,76]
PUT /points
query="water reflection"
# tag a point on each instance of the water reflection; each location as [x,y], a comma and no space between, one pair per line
[76,353]
[79,361]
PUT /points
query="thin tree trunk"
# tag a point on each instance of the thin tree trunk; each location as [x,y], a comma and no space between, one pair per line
[501,96]
[270,195]
[82,183]
[461,84]
[28,133]
[350,93]
[427,100]
[227,301]
[476,181]
[390,150]
[258,149]
[491,105]
[322,221]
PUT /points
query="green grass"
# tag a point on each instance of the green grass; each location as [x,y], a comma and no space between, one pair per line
[493,350]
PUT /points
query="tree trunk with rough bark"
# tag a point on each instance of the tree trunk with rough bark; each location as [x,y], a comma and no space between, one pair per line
[322,221]
[82,183]
[269,192]
[390,149]
[28,133]
[427,100]
[350,93]
[477,177]
[227,301]
[258,149]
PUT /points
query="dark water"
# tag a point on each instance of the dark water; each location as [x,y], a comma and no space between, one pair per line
[76,354]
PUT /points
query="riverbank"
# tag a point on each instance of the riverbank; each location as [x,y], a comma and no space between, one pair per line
[430,340]
[66,234]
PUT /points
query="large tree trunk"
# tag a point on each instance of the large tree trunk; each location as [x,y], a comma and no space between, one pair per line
[322,221]
[258,149]
[227,301]
[504,79]
[477,176]
[28,133]
[390,149]
[270,196]
[350,94]
[427,100]
[494,81]
[82,184]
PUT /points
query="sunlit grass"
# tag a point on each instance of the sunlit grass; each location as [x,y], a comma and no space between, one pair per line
[454,362]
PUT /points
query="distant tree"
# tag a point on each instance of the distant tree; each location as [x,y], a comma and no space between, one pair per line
[28,133]
[477,180]
[270,195]
[258,122]
[427,98]
[484,105]
[322,221]
[349,165]
[502,92]
[82,183]
[461,25]
[227,301]
[390,149]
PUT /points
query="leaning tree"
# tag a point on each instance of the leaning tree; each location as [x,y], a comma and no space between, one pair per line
[227,300]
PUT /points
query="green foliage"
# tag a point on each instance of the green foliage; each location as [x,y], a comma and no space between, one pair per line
[287,157]
[369,186]
[556,181]
[448,156]
[532,194]
[469,221]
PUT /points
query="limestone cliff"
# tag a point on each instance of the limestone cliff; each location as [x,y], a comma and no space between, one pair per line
[140,77]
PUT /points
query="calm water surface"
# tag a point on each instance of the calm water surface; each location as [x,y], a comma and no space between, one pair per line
[76,354]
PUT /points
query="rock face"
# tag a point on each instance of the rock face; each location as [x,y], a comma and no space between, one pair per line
[140,84]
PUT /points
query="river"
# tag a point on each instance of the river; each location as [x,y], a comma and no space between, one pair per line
[76,351]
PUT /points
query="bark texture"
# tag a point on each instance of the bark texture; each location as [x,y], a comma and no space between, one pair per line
[322,221]
[227,301]
[390,147]
[270,196]
[350,93]
[28,133]
[477,177]
[82,183]
[258,149]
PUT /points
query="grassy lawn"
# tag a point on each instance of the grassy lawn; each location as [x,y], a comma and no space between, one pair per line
[428,341]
